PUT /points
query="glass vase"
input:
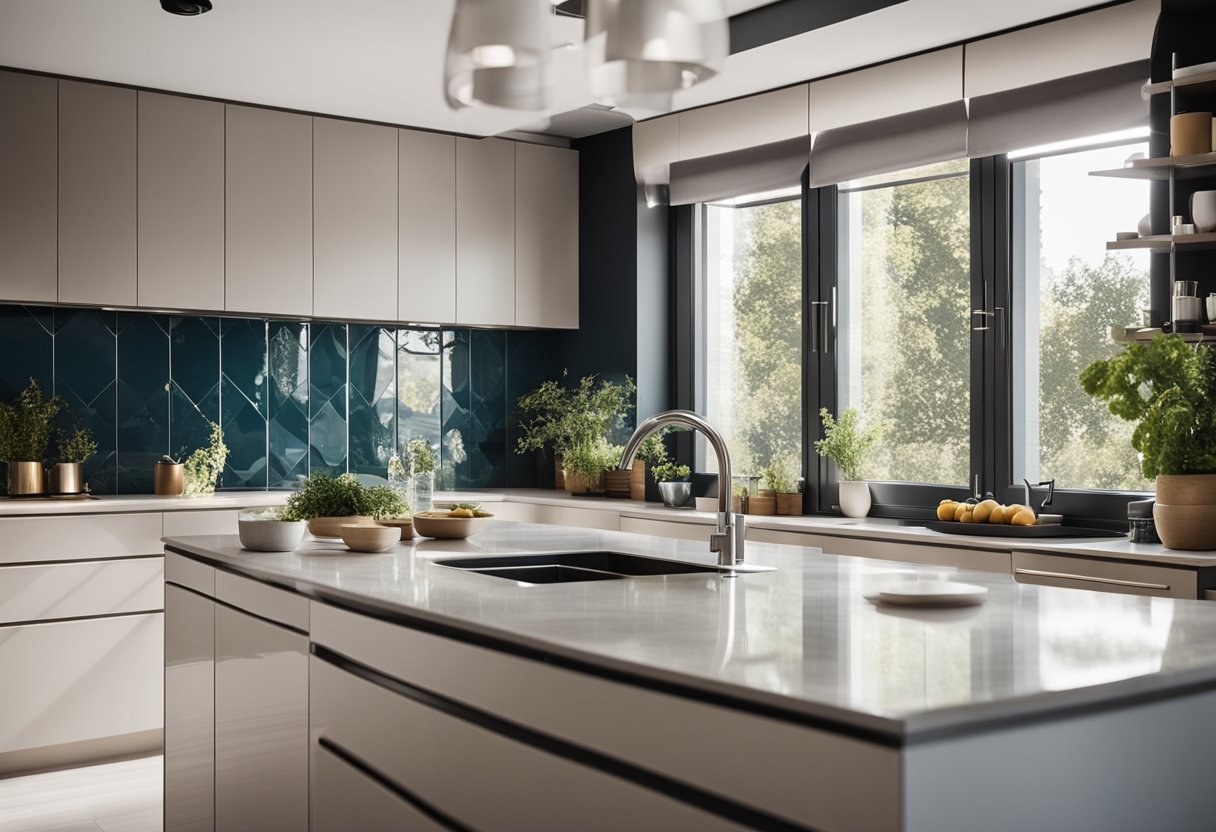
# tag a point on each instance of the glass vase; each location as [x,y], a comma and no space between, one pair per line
[423,487]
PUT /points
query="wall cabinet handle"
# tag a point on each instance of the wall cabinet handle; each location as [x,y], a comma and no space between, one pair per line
[1093,579]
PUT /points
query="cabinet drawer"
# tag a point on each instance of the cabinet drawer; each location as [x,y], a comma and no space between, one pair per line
[1104,576]
[479,777]
[80,680]
[668,528]
[74,590]
[985,560]
[184,523]
[339,793]
[87,537]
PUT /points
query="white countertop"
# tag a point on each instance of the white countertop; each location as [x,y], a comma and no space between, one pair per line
[801,639]
[122,504]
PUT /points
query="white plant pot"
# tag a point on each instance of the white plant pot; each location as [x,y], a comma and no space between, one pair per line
[855,498]
[1203,210]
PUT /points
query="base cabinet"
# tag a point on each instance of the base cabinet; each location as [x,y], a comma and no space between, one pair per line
[189,711]
[342,797]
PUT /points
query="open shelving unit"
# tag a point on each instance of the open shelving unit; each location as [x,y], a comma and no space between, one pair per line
[1166,243]
[1180,167]
[1200,82]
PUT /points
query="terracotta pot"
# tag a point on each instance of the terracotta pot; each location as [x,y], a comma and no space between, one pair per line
[1185,511]
[332,526]
[766,492]
[637,481]
[765,506]
[26,479]
[619,483]
[789,504]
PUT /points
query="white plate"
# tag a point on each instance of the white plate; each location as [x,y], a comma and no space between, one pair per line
[930,594]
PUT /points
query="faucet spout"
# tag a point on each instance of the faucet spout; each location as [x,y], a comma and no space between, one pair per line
[728,540]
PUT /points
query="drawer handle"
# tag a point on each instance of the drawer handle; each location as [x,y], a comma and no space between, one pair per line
[1042,573]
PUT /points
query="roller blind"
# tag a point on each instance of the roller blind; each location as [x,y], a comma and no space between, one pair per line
[934,134]
[1091,103]
[752,170]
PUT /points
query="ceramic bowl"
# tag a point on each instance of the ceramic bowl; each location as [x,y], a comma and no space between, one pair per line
[332,526]
[270,535]
[439,524]
[406,524]
[360,537]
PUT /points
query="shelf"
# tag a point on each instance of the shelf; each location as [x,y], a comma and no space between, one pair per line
[1200,82]
[1146,334]
[1166,242]
[1184,167]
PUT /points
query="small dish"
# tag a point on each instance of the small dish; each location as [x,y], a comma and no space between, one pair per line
[331,527]
[370,538]
[406,524]
[440,524]
[259,535]
[930,594]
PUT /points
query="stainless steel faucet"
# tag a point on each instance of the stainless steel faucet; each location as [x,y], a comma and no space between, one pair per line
[729,537]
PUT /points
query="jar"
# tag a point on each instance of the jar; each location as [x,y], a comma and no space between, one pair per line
[1140,522]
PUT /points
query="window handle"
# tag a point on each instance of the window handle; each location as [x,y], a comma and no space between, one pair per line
[815,304]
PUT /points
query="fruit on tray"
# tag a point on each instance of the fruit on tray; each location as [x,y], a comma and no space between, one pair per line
[986,511]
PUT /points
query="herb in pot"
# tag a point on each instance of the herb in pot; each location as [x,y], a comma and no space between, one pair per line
[422,456]
[202,468]
[671,472]
[846,442]
[343,496]
[76,446]
[778,478]
[25,425]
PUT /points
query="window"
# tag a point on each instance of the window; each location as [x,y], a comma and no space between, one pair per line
[903,325]
[1067,291]
[750,332]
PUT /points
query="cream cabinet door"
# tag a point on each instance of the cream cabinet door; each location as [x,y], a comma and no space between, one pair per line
[181,202]
[354,220]
[485,232]
[426,216]
[28,200]
[97,196]
[267,212]
[546,236]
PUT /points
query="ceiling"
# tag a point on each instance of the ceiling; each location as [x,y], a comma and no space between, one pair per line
[382,60]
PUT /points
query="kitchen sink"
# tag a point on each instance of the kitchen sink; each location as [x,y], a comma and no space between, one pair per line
[565,567]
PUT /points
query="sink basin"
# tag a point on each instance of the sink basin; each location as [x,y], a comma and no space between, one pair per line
[564,567]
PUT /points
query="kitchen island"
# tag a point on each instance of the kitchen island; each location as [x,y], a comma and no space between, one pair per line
[393,691]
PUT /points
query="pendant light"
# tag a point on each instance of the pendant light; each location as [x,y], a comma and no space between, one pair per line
[641,51]
[498,54]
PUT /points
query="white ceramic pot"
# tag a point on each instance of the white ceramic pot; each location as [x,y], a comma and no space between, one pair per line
[855,498]
[270,535]
[1203,210]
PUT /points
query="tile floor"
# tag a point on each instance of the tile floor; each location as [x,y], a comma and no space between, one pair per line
[111,797]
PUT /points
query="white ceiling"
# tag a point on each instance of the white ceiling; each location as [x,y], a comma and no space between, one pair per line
[382,60]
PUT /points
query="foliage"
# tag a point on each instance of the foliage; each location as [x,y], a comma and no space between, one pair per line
[422,456]
[778,478]
[343,496]
[202,468]
[76,446]
[670,472]
[846,442]
[1169,391]
[587,462]
[564,417]
[25,425]
[652,451]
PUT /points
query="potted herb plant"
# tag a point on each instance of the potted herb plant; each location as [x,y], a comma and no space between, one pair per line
[422,474]
[202,469]
[587,463]
[781,483]
[651,452]
[848,444]
[578,420]
[328,503]
[25,433]
[74,448]
[673,483]
[1169,390]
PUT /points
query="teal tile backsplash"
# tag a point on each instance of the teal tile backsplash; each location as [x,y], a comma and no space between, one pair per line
[293,397]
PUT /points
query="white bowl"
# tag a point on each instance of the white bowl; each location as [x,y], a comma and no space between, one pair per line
[270,535]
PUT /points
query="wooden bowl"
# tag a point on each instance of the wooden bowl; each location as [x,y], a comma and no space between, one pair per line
[406,524]
[439,524]
[332,526]
[363,538]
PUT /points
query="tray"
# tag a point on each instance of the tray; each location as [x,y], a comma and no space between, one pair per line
[993,530]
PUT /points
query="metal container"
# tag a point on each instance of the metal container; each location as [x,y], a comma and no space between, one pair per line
[66,478]
[1186,288]
[168,478]
[1142,527]
[676,494]
[26,479]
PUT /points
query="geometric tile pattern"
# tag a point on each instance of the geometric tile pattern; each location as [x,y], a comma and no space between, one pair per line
[293,397]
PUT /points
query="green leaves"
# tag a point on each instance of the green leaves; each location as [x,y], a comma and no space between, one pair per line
[344,496]
[565,418]
[25,425]
[670,472]
[846,442]
[591,459]
[422,456]
[202,469]
[76,446]
[778,478]
[1169,390]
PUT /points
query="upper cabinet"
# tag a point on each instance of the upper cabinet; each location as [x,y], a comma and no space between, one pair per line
[546,236]
[426,216]
[268,213]
[28,203]
[97,198]
[485,232]
[354,220]
[181,202]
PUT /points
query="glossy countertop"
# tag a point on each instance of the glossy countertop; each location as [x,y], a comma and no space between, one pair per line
[801,639]
[133,503]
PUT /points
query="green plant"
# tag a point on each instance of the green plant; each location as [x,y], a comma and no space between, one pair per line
[846,442]
[563,417]
[422,456]
[587,462]
[652,451]
[671,472]
[202,468]
[76,446]
[1169,391]
[25,425]
[343,496]
[778,478]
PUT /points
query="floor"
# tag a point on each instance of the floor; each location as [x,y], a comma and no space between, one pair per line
[112,797]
